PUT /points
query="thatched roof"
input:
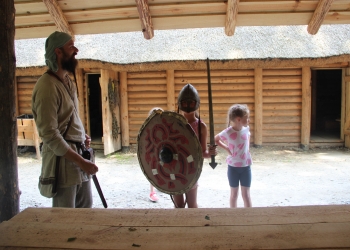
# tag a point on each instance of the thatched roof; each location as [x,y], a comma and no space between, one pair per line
[288,42]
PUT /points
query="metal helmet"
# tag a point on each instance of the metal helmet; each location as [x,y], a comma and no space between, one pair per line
[188,99]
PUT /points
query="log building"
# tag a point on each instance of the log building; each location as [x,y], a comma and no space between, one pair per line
[296,85]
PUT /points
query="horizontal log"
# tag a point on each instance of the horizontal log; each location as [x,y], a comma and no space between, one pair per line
[22,92]
[25,111]
[282,99]
[144,94]
[279,132]
[152,101]
[283,139]
[272,79]
[291,112]
[25,105]
[24,98]
[27,79]
[282,92]
[150,74]
[284,126]
[214,80]
[216,87]
[147,81]
[25,85]
[149,88]
[213,73]
[279,72]
[267,86]
[281,106]
[276,120]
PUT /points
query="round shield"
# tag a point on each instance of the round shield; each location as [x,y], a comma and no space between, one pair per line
[169,152]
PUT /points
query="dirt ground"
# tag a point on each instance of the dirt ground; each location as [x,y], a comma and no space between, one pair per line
[281,176]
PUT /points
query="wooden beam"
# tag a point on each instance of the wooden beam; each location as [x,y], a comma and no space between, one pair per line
[231,17]
[80,84]
[124,109]
[145,18]
[170,81]
[258,108]
[319,15]
[306,107]
[58,17]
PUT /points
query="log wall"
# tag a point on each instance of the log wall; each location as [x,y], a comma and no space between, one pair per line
[146,90]
[282,104]
[25,86]
[277,94]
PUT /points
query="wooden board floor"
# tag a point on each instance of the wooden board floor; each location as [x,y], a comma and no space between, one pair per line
[303,227]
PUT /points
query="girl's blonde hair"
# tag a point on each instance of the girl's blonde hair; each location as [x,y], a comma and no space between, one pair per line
[236,110]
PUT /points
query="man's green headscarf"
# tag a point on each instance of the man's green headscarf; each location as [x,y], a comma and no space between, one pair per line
[55,40]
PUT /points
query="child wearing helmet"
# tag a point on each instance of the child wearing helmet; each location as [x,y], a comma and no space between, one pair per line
[188,103]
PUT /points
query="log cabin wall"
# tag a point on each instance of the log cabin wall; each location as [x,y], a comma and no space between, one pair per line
[146,90]
[276,98]
[25,86]
[282,106]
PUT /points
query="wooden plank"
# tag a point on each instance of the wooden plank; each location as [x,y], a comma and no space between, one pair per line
[309,227]
[231,17]
[306,107]
[319,15]
[170,90]
[124,109]
[258,106]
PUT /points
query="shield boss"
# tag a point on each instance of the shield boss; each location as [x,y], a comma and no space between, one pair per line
[169,152]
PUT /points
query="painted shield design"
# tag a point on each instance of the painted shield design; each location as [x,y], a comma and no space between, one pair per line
[169,152]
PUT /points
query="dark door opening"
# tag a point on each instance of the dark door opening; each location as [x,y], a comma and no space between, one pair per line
[326,104]
[95,108]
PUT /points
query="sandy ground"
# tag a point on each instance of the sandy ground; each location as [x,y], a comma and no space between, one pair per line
[281,177]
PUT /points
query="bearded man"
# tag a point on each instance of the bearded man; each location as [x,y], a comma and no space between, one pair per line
[65,174]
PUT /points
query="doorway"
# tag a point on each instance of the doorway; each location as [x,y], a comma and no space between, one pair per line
[326,105]
[95,108]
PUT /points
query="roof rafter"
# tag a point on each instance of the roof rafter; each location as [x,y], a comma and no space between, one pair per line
[58,17]
[231,17]
[319,15]
[145,18]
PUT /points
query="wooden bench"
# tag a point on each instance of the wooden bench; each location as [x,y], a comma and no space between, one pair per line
[28,133]
[299,227]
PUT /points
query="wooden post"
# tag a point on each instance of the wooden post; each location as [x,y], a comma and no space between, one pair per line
[9,191]
[306,108]
[80,84]
[87,105]
[170,81]
[124,113]
[347,109]
[258,77]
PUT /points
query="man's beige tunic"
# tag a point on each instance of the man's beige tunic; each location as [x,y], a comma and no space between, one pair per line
[52,108]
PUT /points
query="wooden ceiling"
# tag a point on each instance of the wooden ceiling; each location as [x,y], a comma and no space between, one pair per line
[39,18]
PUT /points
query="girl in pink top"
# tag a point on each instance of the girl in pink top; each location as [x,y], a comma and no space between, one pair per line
[235,140]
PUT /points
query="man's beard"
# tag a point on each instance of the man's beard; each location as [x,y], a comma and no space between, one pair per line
[69,64]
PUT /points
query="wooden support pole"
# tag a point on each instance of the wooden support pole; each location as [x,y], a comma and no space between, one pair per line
[87,104]
[9,189]
[306,108]
[231,17]
[347,110]
[319,15]
[80,84]
[170,81]
[258,107]
[124,110]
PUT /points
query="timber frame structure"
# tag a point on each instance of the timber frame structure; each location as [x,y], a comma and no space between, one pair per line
[39,18]
[278,93]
